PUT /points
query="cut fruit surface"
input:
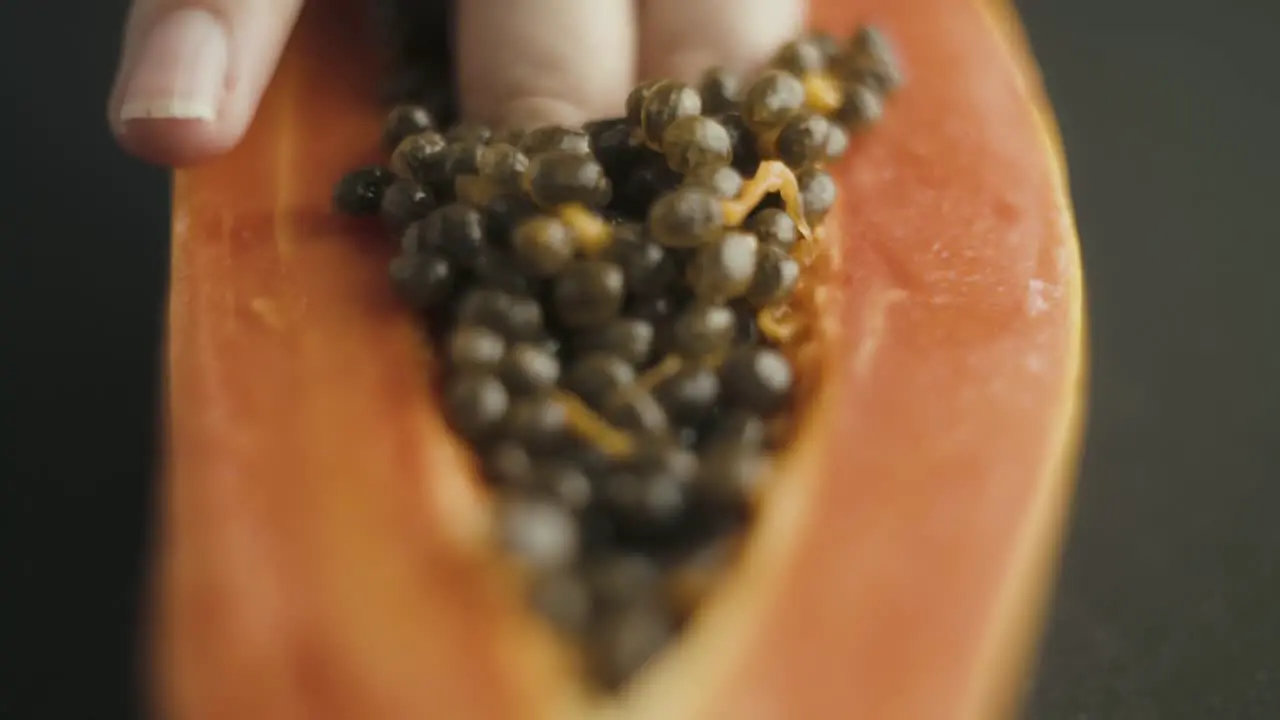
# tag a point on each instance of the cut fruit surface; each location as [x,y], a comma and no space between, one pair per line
[325,549]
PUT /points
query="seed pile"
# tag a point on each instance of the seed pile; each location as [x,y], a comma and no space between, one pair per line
[611,307]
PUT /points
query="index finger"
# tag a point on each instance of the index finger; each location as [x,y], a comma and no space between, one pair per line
[684,37]
[524,62]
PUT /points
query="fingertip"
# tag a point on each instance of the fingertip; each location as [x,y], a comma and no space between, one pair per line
[175,142]
[685,37]
[532,111]
[525,62]
[192,73]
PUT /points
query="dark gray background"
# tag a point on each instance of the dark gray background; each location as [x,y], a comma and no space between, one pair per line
[1169,604]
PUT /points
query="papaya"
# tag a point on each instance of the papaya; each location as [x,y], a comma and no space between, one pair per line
[324,545]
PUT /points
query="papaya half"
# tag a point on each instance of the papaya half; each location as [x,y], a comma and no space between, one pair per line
[324,544]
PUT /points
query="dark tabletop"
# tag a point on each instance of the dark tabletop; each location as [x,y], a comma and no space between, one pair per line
[1169,600]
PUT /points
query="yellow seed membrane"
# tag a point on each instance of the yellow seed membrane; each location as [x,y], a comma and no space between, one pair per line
[779,323]
[474,189]
[767,142]
[586,423]
[822,93]
[591,232]
[665,368]
[773,176]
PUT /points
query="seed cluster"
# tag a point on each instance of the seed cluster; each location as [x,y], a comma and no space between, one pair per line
[611,303]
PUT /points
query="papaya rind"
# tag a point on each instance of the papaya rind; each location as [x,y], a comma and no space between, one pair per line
[1026,598]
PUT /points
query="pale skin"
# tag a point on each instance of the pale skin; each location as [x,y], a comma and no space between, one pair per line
[193,71]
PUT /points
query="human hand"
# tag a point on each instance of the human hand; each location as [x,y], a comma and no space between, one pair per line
[193,71]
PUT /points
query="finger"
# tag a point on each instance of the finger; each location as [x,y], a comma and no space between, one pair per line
[192,73]
[682,38]
[526,62]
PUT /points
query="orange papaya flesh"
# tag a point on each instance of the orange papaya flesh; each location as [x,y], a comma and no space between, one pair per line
[324,547]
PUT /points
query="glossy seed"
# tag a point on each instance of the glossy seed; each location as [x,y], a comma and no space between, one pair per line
[686,217]
[612,143]
[721,90]
[469,132]
[564,481]
[703,330]
[405,120]
[514,317]
[457,229]
[421,157]
[818,190]
[647,179]
[595,376]
[476,404]
[589,293]
[498,269]
[800,57]
[776,276]
[772,98]
[653,488]
[556,138]
[529,368]
[654,308]
[646,502]
[539,421]
[636,410]
[422,281]
[723,180]
[837,142]
[563,598]
[403,203]
[420,239]
[690,394]
[476,348]
[463,158]
[635,102]
[724,267]
[539,532]
[559,178]
[644,262]
[524,318]
[758,379]
[665,103]
[862,106]
[731,475]
[746,149]
[510,136]
[748,325]
[359,192]
[504,165]
[626,640]
[628,338]
[543,244]
[740,429]
[505,212]
[694,141]
[871,59]
[774,227]
[803,139]
[830,47]
[509,465]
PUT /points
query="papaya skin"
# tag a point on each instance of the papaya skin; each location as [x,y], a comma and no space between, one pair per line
[323,544]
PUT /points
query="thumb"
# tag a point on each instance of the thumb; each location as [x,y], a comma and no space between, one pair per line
[192,72]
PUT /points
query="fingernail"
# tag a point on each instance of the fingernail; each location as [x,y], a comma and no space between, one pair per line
[180,71]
